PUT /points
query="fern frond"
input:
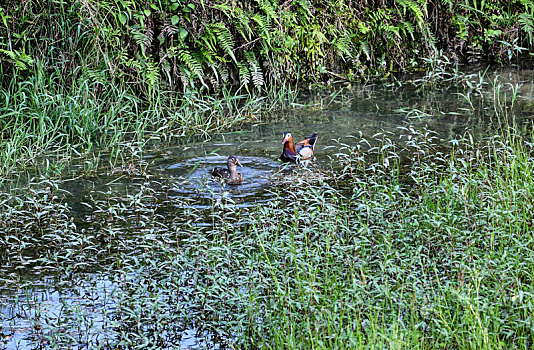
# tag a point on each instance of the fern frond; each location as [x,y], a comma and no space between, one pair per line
[268,8]
[529,5]
[20,59]
[527,24]
[407,28]
[263,27]
[140,38]
[449,3]
[262,22]
[224,38]
[366,50]
[244,74]
[414,8]
[305,5]
[149,72]
[223,72]
[343,45]
[255,70]
[223,7]
[192,63]
[243,24]
[390,31]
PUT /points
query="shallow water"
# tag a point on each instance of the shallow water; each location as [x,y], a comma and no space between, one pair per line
[180,173]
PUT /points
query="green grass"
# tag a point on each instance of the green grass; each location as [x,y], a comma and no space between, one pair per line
[84,77]
[410,247]
[41,117]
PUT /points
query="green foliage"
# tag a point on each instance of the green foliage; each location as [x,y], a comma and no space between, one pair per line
[191,44]
[107,49]
[432,249]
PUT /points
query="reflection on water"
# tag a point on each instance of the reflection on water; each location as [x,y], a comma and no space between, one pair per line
[58,305]
[192,177]
[183,172]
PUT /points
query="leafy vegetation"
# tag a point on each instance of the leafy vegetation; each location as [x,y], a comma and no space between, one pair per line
[80,74]
[405,242]
[175,45]
[408,246]
[408,242]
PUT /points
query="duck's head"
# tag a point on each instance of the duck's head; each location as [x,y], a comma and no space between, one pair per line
[287,137]
[233,162]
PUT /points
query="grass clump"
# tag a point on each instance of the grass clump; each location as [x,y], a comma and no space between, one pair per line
[436,257]
[412,246]
[90,75]
[39,117]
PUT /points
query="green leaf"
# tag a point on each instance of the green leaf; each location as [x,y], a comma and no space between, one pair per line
[183,33]
[123,18]
[147,13]
[175,19]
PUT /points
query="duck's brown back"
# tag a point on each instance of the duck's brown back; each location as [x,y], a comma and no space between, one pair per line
[220,172]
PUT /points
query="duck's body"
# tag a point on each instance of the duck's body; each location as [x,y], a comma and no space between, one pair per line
[230,175]
[295,152]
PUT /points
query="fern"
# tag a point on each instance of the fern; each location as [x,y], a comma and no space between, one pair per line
[269,9]
[527,25]
[255,70]
[305,5]
[529,5]
[151,73]
[20,59]
[390,31]
[140,38]
[210,39]
[244,74]
[223,72]
[191,63]
[263,28]
[366,50]
[243,24]
[414,8]
[224,38]
[449,3]
[407,28]
[227,9]
[343,45]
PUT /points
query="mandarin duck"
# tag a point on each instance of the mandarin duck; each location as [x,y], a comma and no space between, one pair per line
[295,152]
[230,175]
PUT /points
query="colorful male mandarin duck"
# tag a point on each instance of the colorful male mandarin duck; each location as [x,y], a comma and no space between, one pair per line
[295,152]
[230,175]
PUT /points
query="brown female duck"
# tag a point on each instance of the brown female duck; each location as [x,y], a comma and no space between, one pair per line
[295,152]
[230,175]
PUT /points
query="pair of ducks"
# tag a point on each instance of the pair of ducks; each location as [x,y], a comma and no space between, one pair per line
[291,153]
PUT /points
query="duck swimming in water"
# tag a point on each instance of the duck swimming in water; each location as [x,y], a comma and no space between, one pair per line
[295,152]
[230,175]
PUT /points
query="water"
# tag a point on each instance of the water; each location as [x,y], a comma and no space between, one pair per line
[33,301]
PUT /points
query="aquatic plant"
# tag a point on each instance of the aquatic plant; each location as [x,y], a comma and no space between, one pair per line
[414,245]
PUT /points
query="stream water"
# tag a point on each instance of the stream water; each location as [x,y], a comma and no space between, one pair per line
[181,172]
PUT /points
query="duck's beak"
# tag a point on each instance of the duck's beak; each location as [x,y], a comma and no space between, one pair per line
[237,162]
[284,141]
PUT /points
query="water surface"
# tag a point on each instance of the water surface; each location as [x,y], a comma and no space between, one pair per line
[177,178]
